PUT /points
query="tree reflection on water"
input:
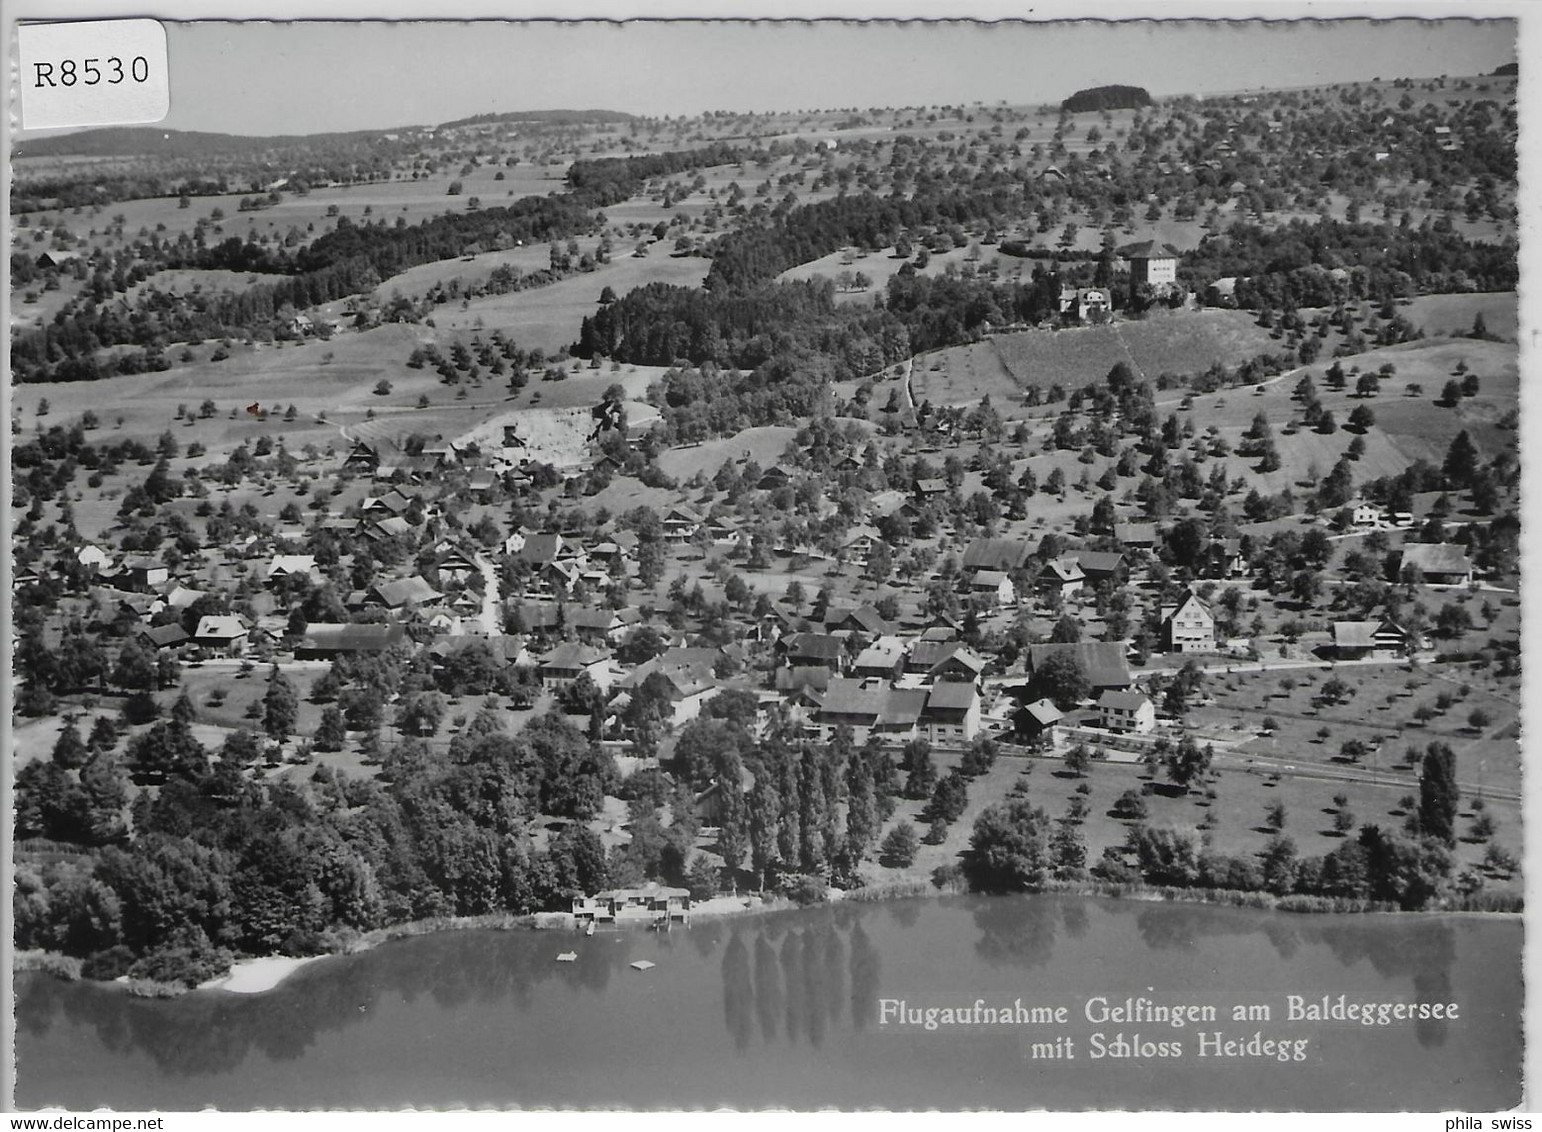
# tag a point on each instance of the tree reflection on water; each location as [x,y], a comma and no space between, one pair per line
[787,979]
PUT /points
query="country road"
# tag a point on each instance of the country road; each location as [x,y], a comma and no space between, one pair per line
[492,623]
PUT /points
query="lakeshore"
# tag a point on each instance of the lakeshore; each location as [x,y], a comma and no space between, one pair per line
[260,974]
[783,1011]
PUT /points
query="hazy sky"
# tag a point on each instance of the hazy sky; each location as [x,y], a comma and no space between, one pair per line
[279,78]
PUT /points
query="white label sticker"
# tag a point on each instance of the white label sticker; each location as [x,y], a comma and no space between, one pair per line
[93,73]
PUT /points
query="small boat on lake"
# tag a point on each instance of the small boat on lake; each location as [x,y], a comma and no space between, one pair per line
[568,957]
[643,965]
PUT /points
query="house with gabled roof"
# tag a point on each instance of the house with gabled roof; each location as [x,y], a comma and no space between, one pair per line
[951,717]
[883,659]
[168,636]
[570,660]
[539,549]
[863,620]
[603,626]
[1437,563]
[993,585]
[287,565]
[800,649]
[1136,536]
[401,594]
[393,526]
[326,640]
[1103,662]
[1100,565]
[793,680]
[999,554]
[93,558]
[392,502]
[142,573]
[868,707]
[1188,625]
[960,665]
[1152,265]
[455,566]
[363,456]
[689,685]
[1063,575]
[1224,559]
[178,596]
[1126,711]
[1380,640]
[226,633]
[1036,720]
[680,524]
[932,487]
[773,477]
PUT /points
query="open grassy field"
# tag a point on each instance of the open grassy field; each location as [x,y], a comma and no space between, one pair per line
[1439,315]
[1379,712]
[550,317]
[1177,342]
[1237,811]
[763,445]
[336,377]
[416,200]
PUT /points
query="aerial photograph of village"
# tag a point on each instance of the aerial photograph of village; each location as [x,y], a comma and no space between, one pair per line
[999,589]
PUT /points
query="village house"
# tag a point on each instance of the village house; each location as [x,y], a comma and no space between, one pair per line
[570,660]
[455,567]
[863,621]
[93,558]
[1152,265]
[772,478]
[951,717]
[329,640]
[993,585]
[392,502]
[402,594]
[1378,640]
[1366,516]
[1126,711]
[290,565]
[603,626]
[224,634]
[1136,536]
[178,597]
[931,488]
[884,659]
[142,574]
[927,654]
[1003,555]
[1086,304]
[1061,575]
[363,456]
[726,532]
[712,805]
[813,648]
[1188,626]
[1103,662]
[1437,563]
[653,903]
[1224,559]
[168,636]
[1035,721]
[959,665]
[869,708]
[1100,565]
[680,524]
[791,682]
[687,686]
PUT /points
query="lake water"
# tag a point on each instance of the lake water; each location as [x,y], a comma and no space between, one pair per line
[783,1010]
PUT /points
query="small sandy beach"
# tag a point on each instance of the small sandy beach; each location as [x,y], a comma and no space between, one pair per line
[253,976]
